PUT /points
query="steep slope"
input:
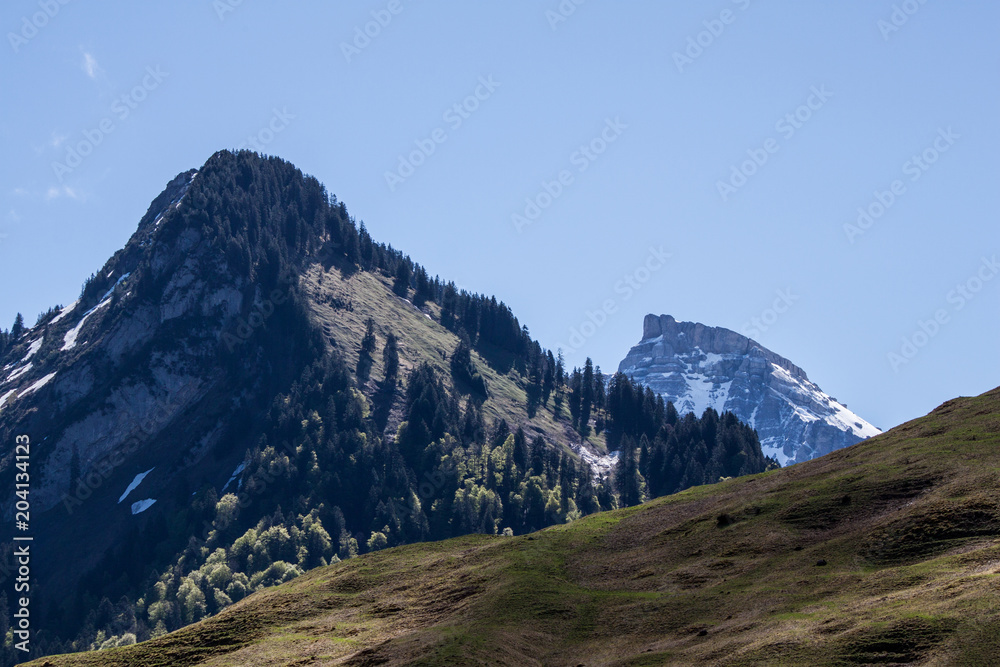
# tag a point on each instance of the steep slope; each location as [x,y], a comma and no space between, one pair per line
[885,552]
[149,391]
[698,367]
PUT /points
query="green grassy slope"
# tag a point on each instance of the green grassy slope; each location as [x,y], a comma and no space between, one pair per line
[907,524]
[421,339]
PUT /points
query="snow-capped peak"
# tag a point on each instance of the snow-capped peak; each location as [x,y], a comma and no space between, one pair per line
[699,367]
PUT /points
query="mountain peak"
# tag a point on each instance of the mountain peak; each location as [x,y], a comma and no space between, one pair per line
[686,336]
[698,367]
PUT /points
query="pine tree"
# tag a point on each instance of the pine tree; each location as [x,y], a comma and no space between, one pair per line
[549,377]
[17,330]
[575,396]
[464,370]
[390,359]
[587,397]
[424,291]
[534,389]
[631,485]
[449,305]
[559,378]
[365,358]
[401,284]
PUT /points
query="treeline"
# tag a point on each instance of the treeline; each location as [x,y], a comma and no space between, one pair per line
[659,452]
[267,215]
[11,338]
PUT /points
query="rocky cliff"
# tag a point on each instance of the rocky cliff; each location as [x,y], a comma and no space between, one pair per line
[699,367]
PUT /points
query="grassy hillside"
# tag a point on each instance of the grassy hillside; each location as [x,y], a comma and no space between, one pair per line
[421,339]
[887,552]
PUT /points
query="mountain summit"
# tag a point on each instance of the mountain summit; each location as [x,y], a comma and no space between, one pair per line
[697,367]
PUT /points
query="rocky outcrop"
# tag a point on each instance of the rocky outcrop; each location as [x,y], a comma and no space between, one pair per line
[697,367]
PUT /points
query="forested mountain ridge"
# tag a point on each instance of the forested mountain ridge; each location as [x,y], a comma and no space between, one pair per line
[253,387]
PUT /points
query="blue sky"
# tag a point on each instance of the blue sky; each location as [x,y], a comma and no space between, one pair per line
[604,161]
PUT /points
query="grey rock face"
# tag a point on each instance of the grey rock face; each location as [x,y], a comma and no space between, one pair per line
[697,367]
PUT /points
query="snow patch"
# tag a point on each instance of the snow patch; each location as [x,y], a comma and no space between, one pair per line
[232,477]
[38,385]
[136,481]
[64,312]
[33,347]
[119,282]
[142,505]
[841,417]
[3,399]
[69,340]
[600,465]
[701,392]
[19,372]
[770,449]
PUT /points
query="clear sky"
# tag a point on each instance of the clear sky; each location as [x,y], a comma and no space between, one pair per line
[739,138]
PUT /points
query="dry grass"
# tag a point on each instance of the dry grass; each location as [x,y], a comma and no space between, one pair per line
[421,339]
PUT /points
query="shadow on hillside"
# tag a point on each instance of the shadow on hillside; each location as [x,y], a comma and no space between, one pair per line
[382,401]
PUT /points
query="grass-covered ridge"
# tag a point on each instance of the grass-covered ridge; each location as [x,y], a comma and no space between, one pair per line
[907,525]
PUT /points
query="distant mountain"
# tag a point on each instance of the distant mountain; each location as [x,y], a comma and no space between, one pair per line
[884,553]
[697,367]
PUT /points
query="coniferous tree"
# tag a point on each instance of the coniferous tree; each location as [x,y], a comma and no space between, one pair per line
[449,305]
[365,358]
[401,284]
[424,289]
[587,397]
[390,359]
[534,388]
[575,397]
[548,377]
[464,370]
[631,485]
[17,330]
[559,382]
[600,390]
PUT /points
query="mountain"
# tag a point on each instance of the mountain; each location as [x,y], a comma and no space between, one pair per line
[253,387]
[884,552]
[697,367]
